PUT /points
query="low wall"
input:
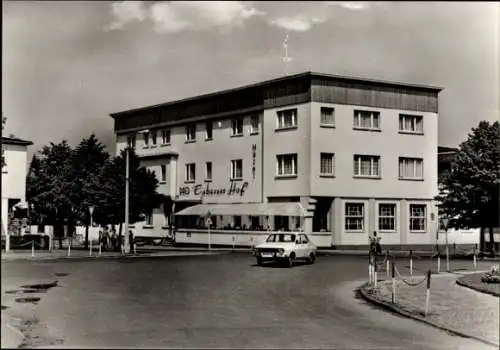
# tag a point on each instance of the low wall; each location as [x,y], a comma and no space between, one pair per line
[238,238]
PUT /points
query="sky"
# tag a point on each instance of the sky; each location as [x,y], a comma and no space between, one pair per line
[67,65]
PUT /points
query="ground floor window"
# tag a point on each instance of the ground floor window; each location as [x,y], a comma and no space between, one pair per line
[237,221]
[418,217]
[387,217]
[320,222]
[281,223]
[354,216]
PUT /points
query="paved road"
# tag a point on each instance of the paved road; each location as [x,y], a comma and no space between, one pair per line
[218,301]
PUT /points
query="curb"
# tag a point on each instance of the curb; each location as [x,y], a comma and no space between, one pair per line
[400,311]
[101,258]
[484,291]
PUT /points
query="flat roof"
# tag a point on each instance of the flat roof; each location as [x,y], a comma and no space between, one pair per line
[281,79]
[15,141]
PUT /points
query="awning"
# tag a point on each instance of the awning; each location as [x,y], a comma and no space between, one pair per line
[253,209]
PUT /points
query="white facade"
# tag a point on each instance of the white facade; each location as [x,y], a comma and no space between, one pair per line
[13,175]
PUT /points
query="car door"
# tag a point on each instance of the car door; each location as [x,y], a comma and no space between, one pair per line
[305,245]
[301,247]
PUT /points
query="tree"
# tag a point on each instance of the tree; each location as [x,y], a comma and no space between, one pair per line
[88,160]
[469,194]
[50,185]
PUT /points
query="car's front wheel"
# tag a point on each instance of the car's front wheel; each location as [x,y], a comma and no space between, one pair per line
[312,258]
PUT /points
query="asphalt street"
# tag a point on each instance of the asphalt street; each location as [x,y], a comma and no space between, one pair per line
[218,301]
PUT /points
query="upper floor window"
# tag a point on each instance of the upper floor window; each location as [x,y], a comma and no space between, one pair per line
[237,127]
[366,120]
[354,217]
[327,164]
[418,217]
[146,138]
[208,171]
[236,169]
[286,164]
[163,173]
[387,217]
[131,141]
[191,133]
[411,168]
[287,119]
[366,166]
[209,127]
[411,123]
[165,136]
[255,124]
[190,172]
[327,116]
[153,137]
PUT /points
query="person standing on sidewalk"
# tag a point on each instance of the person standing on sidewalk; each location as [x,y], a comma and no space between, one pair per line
[131,241]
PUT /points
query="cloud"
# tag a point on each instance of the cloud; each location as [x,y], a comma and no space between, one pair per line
[125,12]
[350,5]
[298,23]
[173,16]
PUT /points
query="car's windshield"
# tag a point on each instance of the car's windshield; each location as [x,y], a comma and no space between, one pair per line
[281,238]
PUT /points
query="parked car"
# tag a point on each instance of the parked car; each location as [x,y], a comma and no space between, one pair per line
[286,247]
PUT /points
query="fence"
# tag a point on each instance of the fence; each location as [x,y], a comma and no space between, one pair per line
[389,265]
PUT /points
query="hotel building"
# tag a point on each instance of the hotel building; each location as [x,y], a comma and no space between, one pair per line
[336,157]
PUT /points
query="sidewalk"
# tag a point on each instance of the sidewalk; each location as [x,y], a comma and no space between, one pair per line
[452,307]
[84,255]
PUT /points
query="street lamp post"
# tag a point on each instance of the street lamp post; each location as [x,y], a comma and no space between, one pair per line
[445,224]
[209,223]
[91,211]
[126,247]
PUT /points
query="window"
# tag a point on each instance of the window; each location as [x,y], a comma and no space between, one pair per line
[149,219]
[327,116]
[354,216]
[165,137]
[190,172]
[146,138]
[131,141]
[191,133]
[237,127]
[237,221]
[236,169]
[254,122]
[411,123]
[366,120]
[287,119]
[387,217]
[286,164]
[255,223]
[411,168]
[320,221]
[366,166]
[208,171]
[163,173]
[417,217]
[327,166]
[209,127]
[153,137]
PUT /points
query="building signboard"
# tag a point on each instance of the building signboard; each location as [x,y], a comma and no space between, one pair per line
[234,189]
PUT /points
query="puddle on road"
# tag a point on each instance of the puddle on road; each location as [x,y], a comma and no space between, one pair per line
[32,300]
[4,307]
[40,286]
[25,291]
[61,274]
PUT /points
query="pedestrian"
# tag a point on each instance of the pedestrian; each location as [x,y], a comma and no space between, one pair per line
[131,240]
[113,240]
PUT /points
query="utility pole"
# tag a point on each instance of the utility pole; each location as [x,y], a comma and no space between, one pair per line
[285,58]
[126,248]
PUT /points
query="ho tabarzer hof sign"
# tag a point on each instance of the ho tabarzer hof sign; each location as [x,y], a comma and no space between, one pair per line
[234,189]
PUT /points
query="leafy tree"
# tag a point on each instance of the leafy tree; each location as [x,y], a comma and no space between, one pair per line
[50,185]
[88,161]
[470,190]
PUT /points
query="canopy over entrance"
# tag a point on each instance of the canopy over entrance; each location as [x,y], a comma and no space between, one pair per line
[251,209]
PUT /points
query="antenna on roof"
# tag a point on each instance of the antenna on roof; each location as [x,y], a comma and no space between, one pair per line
[285,57]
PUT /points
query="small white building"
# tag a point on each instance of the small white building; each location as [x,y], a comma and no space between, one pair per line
[14,171]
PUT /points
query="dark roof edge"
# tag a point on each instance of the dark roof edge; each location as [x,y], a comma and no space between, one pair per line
[445,149]
[276,80]
[15,141]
